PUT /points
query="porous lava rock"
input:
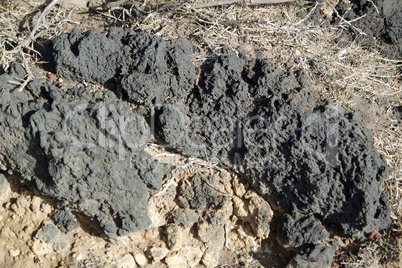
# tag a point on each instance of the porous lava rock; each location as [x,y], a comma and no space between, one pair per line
[314,256]
[147,68]
[199,195]
[65,220]
[380,21]
[82,148]
[298,231]
[310,156]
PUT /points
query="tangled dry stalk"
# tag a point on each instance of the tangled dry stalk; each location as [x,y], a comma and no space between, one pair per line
[340,69]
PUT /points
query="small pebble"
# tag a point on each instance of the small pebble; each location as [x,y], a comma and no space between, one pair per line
[140,259]
[14,252]
[51,76]
[46,208]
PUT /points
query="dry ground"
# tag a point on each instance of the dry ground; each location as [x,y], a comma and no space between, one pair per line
[361,79]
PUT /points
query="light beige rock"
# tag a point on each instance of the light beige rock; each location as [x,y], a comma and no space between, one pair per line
[6,232]
[158,251]
[15,252]
[4,189]
[35,204]
[23,203]
[250,193]
[127,261]
[187,257]
[17,209]
[261,224]
[240,209]
[140,258]
[157,218]
[238,188]
[242,239]
[260,214]
[176,261]
[212,236]
[193,255]
[41,249]
[46,208]
[254,203]
[228,209]
[210,258]
[236,242]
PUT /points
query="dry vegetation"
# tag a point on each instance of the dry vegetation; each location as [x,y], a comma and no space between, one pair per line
[285,32]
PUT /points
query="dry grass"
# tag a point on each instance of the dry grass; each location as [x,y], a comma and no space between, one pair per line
[16,21]
[344,73]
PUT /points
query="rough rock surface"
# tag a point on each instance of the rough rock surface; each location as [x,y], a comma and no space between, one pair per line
[51,235]
[84,149]
[65,220]
[382,23]
[315,256]
[199,195]
[298,231]
[149,68]
[308,155]
[185,217]
[95,154]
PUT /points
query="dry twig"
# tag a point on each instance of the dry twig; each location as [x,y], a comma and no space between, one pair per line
[29,75]
[229,2]
[25,43]
[37,24]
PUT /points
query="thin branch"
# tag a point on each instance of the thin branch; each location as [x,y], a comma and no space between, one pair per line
[166,186]
[29,39]
[29,75]
[229,2]
[349,23]
[32,36]
[41,17]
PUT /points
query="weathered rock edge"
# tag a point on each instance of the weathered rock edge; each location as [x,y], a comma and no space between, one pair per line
[84,149]
[308,155]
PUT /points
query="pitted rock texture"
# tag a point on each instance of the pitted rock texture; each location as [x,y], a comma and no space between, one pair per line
[148,68]
[314,256]
[380,20]
[298,231]
[65,220]
[84,149]
[199,195]
[317,162]
[310,156]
